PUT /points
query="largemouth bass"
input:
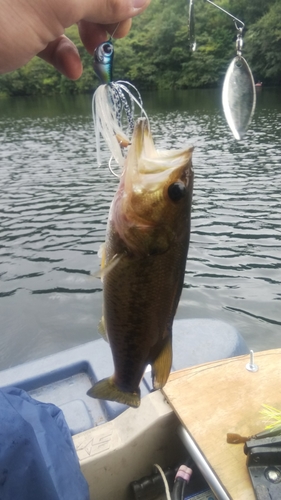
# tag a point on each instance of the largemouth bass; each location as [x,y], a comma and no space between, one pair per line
[143,264]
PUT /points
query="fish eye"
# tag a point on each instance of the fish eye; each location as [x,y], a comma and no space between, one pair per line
[176,191]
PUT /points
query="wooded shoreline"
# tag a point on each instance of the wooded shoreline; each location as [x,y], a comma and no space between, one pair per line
[156,54]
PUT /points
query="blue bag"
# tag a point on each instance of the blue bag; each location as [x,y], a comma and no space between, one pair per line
[37,456]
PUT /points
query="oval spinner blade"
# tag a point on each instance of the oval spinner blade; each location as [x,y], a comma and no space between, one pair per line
[238,96]
[192,41]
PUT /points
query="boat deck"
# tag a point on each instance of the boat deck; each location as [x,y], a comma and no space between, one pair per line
[223,397]
[65,377]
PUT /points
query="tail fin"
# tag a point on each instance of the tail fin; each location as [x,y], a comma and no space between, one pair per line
[108,390]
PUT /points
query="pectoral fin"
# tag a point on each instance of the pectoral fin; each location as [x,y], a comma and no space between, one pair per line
[161,367]
[106,268]
[108,390]
[102,255]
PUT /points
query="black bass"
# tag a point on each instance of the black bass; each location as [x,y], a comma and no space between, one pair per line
[143,264]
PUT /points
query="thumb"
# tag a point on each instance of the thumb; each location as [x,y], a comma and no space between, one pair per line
[93,34]
[111,11]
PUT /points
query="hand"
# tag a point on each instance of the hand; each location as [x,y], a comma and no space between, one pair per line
[36,27]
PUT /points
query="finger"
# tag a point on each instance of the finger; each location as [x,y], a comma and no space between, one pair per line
[111,11]
[64,56]
[93,34]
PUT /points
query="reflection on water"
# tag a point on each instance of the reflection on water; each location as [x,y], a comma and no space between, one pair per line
[54,205]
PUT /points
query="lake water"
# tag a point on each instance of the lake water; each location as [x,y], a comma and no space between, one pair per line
[54,203]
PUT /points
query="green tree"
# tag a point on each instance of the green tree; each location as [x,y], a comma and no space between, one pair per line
[264,46]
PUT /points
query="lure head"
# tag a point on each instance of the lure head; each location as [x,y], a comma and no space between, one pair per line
[103,60]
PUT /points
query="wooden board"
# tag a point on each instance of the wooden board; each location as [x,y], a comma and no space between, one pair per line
[216,398]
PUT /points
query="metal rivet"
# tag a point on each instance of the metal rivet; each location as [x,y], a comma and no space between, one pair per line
[252,367]
[273,474]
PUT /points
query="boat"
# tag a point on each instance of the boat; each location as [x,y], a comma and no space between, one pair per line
[118,446]
[238,397]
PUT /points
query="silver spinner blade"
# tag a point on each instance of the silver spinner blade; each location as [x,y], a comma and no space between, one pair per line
[238,96]
[192,40]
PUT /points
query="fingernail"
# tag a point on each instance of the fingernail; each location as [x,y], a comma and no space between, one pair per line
[139,4]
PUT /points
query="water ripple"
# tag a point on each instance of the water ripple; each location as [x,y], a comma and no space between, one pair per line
[54,206]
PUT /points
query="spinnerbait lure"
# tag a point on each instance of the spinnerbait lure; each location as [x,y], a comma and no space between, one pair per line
[113,107]
[239,93]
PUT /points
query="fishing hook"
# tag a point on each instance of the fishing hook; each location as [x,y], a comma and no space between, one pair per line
[111,168]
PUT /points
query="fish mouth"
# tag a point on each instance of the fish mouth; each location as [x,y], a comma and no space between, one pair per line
[147,166]
[155,192]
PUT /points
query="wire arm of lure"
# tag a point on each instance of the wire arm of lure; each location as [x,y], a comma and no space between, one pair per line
[114,31]
[239,41]
[235,19]
[239,25]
